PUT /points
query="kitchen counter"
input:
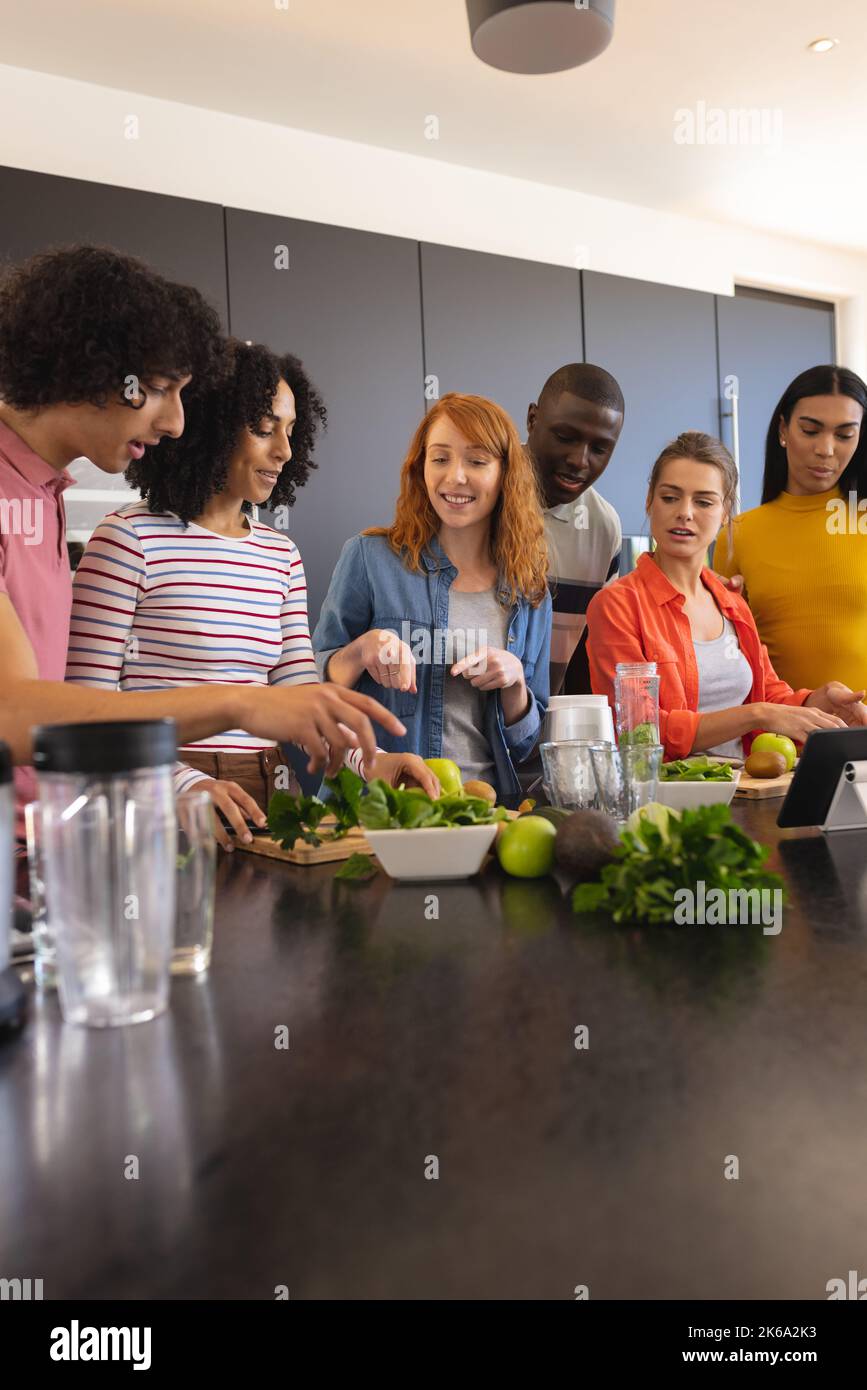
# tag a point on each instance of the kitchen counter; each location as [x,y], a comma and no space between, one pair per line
[431,1129]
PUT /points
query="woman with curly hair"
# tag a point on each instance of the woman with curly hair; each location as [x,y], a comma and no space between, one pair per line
[187,588]
[95,351]
[445,614]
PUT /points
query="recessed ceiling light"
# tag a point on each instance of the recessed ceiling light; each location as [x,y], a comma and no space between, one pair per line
[822,45]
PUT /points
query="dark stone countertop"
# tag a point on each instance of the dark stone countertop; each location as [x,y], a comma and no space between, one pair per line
[411,1037]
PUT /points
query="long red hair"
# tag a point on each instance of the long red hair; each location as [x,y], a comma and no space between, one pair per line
[517,539]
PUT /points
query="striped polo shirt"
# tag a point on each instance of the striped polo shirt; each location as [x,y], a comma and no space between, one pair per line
[158,604]
[584,540]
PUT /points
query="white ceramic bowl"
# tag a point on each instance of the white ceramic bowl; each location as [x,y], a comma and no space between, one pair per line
[443,851]
[685,796]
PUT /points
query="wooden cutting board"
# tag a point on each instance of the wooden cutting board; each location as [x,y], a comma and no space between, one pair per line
[326,853]
[758,787]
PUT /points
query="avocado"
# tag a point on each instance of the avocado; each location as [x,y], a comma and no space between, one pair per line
[555,814]
[586,841]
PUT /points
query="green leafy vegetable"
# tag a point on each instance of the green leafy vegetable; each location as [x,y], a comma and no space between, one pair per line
[346,787]
[649,868]
[651,814]
[292,818]
[378,807]
[642,733]
[357,867]
[695,770]
[399,808]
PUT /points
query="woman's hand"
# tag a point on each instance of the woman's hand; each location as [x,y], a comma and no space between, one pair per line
[796,721]
[490,668]
[324,720]
[236,805]
[404,768]
[837,698]
[387,660]
[734,583]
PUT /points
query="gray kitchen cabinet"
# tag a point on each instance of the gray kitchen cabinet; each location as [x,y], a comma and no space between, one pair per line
[660,343]
[179,237]
[497,326]
[765,341]
[346,303]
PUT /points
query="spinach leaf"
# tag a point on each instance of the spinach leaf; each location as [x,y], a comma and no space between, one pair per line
[357,868]
[376,807]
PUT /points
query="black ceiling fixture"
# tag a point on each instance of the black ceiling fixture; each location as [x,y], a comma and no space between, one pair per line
[534,36]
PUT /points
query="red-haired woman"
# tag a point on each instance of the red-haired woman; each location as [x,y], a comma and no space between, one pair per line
[445,614]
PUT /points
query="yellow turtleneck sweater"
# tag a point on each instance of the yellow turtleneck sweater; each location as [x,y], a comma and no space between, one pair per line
[805,571]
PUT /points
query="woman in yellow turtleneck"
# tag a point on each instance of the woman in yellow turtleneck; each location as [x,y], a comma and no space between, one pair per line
[801,554]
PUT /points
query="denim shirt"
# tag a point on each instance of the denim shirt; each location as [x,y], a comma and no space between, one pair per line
[372,588]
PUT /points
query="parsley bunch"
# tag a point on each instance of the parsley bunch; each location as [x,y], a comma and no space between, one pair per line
[653,863]
[292,818]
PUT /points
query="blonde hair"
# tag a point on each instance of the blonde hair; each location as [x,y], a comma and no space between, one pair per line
[700,448]
[517,538]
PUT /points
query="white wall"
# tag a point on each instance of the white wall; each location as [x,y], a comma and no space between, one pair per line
[58,126]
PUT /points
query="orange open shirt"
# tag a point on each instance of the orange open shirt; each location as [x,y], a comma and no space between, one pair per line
[640,618]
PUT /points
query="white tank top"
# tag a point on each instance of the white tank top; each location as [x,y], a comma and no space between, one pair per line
[725,679]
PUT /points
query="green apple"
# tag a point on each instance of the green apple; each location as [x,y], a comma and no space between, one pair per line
[448,773]
[776,743]
[525,847]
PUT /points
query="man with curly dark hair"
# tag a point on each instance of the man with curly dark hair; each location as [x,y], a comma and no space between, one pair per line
[188,587]
[95,350]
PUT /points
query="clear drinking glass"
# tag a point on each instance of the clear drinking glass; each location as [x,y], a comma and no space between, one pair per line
[636,702]
[569,779]
[44,951]
[196,870]
[626,777]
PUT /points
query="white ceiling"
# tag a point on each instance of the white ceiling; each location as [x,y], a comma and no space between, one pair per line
[373,70]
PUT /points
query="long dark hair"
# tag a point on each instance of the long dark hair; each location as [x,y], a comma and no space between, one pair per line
[826,380]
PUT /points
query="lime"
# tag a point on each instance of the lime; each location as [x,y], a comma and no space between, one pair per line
[525,847]
[449,775]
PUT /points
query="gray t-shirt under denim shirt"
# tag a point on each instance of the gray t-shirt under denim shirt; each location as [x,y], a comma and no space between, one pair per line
[725,679]
[475,620]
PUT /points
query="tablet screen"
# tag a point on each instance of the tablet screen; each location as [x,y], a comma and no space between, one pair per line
[823,758]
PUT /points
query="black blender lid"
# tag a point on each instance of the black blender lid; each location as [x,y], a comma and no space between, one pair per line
[121,746]
[5,763]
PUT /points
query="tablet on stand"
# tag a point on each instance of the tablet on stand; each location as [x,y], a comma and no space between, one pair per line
[829,787]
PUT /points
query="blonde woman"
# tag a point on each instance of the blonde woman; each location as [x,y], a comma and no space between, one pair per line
[717,687]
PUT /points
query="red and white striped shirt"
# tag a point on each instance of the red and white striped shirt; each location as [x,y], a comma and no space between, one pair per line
[157,603]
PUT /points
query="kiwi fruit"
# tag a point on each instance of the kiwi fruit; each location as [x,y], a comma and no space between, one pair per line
[585,843]
[765,764]
[482,789]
